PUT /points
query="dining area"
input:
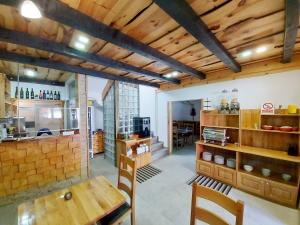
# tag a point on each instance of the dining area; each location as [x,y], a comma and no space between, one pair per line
[184,133]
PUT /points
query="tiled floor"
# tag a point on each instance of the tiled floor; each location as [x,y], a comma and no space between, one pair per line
[165,199]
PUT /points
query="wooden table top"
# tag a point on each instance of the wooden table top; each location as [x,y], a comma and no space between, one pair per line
[91,201]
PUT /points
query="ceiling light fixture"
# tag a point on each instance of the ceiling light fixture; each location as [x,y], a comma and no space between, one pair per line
[84,39]
[172,74]
[246,53]
[261,49]
[29,72]
[79,46]
[30,10]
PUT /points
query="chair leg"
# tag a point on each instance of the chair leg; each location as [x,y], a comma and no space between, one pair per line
[132,217]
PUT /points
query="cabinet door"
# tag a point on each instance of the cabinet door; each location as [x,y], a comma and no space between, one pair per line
[282,193]
[250,183]
[225,174]
[205,168]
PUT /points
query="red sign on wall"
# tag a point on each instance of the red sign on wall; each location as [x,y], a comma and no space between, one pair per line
[268,108]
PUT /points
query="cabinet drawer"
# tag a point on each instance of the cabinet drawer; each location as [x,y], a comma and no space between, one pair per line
[282,193]
[250,183]
[205,168]
[225,174]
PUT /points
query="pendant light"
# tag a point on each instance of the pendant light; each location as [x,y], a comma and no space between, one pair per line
[30,10]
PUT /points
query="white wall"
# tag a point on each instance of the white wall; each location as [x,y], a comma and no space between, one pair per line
[95,88]
[148,105]
[281,88]
[182,110]
[37,88]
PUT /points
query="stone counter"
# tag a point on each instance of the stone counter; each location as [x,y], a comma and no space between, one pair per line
[35,163]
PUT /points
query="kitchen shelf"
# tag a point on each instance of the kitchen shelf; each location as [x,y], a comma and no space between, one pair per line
[269,153]
[271,131]
[219,114]
[274,177]
[282,115]
[225,127]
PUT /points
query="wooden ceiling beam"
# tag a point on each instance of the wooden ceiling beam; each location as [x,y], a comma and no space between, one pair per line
[62,13]
[28,40]
[184,15]
[40,62]
[292,8]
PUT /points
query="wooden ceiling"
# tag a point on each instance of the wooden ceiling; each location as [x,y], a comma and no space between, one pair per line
[237,24]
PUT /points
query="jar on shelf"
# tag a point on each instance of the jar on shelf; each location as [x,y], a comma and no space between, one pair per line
[224,105]
[234,104]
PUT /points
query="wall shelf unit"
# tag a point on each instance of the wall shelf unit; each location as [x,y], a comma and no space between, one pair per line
[254,146]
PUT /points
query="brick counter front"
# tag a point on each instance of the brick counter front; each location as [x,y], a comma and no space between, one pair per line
[36,163]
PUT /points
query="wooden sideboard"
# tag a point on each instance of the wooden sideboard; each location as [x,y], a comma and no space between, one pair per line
[98,142]
[141,159]
[251,145]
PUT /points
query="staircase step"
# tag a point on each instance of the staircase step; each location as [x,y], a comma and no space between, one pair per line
[160,154]
[154,140]
[157,146]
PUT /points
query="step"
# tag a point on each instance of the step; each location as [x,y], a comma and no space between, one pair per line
[154,140]
[157,146]
[160,154]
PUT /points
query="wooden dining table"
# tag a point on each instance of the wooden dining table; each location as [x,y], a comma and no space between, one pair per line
[91,201]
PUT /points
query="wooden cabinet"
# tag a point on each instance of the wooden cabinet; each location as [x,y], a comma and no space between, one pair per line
[225,174]
[250,183]
[205,168]
[98,142]
[281,193]
[143,159]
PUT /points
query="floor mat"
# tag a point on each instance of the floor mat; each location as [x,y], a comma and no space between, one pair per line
[147,172]
[211,183]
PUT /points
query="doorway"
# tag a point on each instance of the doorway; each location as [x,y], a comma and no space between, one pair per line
[183,125]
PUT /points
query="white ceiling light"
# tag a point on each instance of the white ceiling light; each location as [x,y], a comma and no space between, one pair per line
[246,53]
[172,74]
[29,72]
[83,39]
[261,49]
[30,10]
[79,46]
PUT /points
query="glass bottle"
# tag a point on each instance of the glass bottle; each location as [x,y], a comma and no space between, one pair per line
[32,94]
[58,96]
[44,94]
[21,93]
[55,95]
[51,95]
[16,93]
[27,93]
[41,95]
[47,95]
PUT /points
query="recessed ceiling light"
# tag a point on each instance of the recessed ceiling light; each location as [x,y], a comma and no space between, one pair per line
[79,46]
[83,39]
[29,72]
[30,10]
[261,49]
[168,75]
[172,74]
[246,53]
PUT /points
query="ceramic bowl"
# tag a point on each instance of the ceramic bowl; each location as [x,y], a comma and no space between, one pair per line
[267,127]
[230,163]
[219,159]
[266,172]
[207,156]
[286,128]
[248,168]
[286,177]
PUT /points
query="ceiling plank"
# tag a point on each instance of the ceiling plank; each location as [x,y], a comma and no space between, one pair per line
[183,14]
[64,14]
[28,40]
[18,58]
[292,8]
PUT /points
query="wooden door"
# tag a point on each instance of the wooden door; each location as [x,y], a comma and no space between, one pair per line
[250,183]
[281,193]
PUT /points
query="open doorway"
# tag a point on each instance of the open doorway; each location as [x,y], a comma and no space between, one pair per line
[184,125]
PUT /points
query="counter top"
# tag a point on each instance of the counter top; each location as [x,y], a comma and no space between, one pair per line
[134,140]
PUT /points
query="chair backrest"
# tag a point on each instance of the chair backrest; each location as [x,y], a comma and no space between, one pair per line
[127,170]
[199,213]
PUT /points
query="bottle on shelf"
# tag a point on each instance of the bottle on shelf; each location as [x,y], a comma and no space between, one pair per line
[21,93]
[32,94]
[17,93]
[51,95]
[55,95]
[47,95]
[44,94]
[58,96]
[27,93]
[41,95]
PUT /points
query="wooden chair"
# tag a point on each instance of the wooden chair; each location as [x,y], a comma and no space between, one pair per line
[177,138]
[198,213]
[127,170]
